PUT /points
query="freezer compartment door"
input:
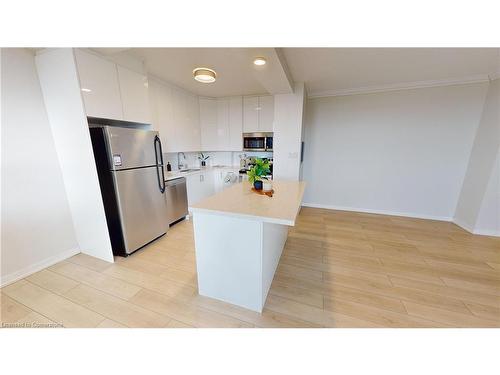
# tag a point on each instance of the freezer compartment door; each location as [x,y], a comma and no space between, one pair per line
[131,148]
[142,206]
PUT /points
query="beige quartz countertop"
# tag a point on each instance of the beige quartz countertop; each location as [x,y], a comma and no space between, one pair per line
[240,201]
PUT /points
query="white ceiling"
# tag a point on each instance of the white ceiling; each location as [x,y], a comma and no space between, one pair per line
[335,69]
[234,67]
[322,69]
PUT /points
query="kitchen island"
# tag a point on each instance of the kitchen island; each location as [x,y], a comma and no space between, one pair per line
[239,237]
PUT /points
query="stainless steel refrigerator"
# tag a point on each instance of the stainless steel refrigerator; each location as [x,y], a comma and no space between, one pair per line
[131,176]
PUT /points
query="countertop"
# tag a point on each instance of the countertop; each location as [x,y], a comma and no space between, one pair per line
[240,201]
[176,174]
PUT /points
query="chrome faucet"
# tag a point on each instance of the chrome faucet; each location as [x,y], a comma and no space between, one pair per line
[179,164]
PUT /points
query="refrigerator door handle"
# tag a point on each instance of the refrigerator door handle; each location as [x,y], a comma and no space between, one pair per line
[161,180]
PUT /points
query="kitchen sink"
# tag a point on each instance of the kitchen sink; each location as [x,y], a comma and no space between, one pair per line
[190,170]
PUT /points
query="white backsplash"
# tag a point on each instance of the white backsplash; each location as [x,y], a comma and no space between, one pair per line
[226,158]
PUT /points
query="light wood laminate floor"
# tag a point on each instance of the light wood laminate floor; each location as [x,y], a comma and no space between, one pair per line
[338,269]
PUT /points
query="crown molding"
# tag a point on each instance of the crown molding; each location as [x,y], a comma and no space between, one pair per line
[402,86]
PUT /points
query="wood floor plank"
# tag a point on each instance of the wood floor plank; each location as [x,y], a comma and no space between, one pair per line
[115,308]
[56,308]
[151,282]
[471,285]
[108,323]
[485,311]
[36,320]
[11,310]
[89,262]
[266,319]
[184,312]
[97,280]
[52,281]
[313,314]
[378,316]
[447,291]
[176,324]
[448,317]
[301,295]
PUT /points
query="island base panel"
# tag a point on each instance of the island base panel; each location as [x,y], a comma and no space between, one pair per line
[236,258]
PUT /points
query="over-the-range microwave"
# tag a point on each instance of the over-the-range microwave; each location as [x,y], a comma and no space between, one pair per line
[258,141]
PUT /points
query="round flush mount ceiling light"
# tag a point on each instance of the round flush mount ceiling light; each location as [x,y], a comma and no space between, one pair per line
[259,61]
[204,75]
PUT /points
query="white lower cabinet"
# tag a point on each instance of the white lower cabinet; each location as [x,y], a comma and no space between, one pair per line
[199,186]
[204,184]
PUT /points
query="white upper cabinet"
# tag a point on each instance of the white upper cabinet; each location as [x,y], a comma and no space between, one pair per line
[186,121]
[175,115]
[208,124]
[193,134]
[134,95]
[221,124]
[250,114]
[236,123]
[160,98]
[258,114]
[266,113]
[99,85]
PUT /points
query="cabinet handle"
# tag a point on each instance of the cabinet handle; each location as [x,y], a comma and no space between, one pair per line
[202,178]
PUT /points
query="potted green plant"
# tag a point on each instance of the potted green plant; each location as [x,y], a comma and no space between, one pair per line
[203,159]
[258,172]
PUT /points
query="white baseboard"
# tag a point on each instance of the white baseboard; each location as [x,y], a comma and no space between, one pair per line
[380,212]
[18,275]
[463,225]
[480,232]
[487,232]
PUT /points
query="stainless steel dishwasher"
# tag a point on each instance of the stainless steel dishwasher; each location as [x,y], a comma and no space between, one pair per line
[176,196]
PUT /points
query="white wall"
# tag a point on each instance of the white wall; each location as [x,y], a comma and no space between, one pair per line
[402,152]
[288,111]
[482,161]
[37,228]
[488,220]
[61,92]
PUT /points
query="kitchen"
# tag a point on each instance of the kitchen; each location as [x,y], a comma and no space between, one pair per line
[167,173]
[236,196]
[289,168]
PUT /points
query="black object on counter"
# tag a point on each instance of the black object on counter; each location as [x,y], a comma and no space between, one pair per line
[169,167]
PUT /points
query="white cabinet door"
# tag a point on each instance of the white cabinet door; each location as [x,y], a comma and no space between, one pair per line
[175,114]
[186,121]
[99,85]
[222,136]
[200,186]
[208,124]
[179,118]
[218,180]
[266,113]
[236,124]
[162,115]
[250,114]
[193,123]
[207,183]
[134,95]
[194,189]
